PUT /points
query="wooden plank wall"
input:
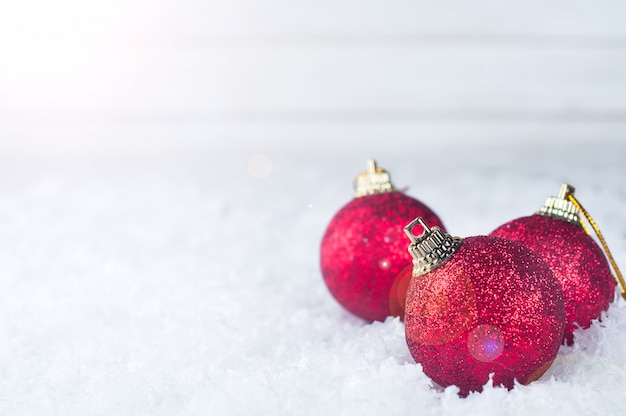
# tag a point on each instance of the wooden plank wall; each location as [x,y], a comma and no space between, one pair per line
[315,75]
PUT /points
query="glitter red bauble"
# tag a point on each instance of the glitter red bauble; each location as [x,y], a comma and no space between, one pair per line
[576,260]
[494,307]
[364,248]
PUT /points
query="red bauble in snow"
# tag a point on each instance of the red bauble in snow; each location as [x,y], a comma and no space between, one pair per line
[479,306]
[556,234]
[364,247]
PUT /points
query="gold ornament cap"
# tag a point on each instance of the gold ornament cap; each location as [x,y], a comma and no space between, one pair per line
[373,181]
[561,207]
[431,248]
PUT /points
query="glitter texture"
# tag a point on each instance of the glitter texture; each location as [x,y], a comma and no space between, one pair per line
[364,248]
[576,260]
[493,307]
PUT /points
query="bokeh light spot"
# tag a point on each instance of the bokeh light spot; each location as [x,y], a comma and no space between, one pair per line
[392,234]
[260,166]
[384,264]
[485,343]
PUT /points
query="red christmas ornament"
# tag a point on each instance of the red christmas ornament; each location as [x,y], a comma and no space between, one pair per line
[556,234]
[363,248]
[479,306]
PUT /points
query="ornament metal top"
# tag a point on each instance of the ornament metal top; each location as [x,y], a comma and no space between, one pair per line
[373,181]
[431,248]
[561,207]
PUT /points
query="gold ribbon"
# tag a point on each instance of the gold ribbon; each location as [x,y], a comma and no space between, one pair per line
[620,279]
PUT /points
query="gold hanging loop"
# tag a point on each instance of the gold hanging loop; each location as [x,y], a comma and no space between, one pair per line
[620,279]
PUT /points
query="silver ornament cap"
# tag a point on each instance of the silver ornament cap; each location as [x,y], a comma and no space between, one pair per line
[561,207]
[373,181]
[431,248]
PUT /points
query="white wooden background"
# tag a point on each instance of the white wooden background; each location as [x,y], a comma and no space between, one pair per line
[325,75]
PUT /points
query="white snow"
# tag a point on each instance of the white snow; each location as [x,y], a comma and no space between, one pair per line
[182,281]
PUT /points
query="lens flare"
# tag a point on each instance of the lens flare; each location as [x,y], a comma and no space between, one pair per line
[485,343]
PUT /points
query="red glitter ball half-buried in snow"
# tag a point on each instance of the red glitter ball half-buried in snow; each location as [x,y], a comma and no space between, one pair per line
[479,306]
[364,247]
[556,235]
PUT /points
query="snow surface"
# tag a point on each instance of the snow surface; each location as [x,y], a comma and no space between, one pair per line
[185,281]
